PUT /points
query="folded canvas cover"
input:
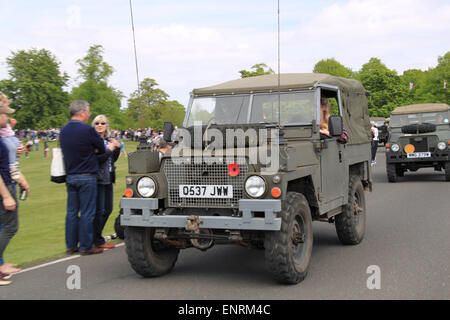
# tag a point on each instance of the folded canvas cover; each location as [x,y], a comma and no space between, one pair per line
[421,108]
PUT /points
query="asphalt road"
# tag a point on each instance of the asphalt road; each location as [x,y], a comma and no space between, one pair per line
[407,239]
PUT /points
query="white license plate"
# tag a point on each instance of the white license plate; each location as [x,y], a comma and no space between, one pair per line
[206,191]
[415,155]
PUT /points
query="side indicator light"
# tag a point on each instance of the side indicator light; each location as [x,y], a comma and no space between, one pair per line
[275,192]
[128,193]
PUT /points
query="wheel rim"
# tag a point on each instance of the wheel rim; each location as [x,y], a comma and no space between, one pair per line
[297,240]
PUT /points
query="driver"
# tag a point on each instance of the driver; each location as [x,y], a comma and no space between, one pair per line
[325,113]
[440,119]
[224,113]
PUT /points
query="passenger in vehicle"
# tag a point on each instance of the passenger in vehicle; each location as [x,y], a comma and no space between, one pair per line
[325,112]
[440,119]
[163,147]
[224,113]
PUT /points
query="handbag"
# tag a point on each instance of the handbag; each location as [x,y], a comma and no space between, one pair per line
[57,169]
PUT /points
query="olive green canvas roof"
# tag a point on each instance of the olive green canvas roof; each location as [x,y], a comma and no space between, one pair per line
[288,81]
[353,95]
[421,108]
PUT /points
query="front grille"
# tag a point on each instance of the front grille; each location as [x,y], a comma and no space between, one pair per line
[204,171]
[420,144]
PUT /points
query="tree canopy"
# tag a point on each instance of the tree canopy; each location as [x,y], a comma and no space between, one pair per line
[155,107]
[333,67]
[259,69]
[35,88]
[103,99]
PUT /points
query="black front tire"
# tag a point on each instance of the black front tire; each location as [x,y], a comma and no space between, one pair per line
[447,171]
[351,223]
[118,228]
[391,172]
[400,171]
[148,256]
[288,251]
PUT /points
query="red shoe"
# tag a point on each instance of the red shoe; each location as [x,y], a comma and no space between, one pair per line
[106,245]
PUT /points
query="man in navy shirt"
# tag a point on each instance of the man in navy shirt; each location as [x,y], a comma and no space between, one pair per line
[80,143]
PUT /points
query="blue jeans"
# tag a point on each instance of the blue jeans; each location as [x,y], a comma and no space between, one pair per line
[9,221]
[81,197]
[104,208]
[374,149]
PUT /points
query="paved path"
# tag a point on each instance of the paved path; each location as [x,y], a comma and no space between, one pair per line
[407,238]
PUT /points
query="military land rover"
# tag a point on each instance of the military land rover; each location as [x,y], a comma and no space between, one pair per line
[419,138]
[262,187]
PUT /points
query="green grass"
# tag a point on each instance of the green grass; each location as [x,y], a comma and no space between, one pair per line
[41,235]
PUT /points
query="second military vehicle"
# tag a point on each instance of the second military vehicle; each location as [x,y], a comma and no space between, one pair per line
[419,138]
[251,168]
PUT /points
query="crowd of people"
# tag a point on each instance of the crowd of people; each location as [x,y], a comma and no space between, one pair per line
[33,140]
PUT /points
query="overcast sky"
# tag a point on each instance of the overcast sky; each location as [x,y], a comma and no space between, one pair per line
[191,44]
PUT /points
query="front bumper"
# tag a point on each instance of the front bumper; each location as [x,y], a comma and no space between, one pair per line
[401,157]
[147,218]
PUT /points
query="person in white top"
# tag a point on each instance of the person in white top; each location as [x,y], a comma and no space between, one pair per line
[374,131]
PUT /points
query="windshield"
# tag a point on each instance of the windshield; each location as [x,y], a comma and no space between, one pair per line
[418,118]
[219,110]
[295,108]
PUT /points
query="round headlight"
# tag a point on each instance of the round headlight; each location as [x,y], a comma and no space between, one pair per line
[442,145]
[255,186]
[146,187]
[395,147]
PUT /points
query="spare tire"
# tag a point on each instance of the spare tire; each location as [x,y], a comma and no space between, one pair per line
[419,128]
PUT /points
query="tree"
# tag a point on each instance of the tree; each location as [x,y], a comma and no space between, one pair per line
[174,112]
[102,98]
[92,66]
[35,89]
[154,105]
[259,69]
[386,88]
[417,78]
[333,67]
[432,88]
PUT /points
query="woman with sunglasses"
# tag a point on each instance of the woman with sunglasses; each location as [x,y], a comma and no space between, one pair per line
[105,178]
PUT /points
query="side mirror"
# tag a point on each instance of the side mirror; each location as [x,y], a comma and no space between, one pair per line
[335,126]
[168,130]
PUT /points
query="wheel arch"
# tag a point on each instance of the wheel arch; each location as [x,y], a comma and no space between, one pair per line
[362,170]
[306,187]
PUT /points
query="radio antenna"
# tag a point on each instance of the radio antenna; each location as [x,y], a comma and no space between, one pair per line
[279,72]
[137,69]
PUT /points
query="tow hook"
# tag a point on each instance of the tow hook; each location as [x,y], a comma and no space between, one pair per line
[192,224]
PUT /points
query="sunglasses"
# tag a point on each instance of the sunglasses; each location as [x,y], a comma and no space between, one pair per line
[102,123]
